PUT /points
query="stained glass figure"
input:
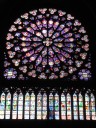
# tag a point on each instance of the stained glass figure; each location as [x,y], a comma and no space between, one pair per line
[47,44]
[81,114]
[14,106]
[2,106]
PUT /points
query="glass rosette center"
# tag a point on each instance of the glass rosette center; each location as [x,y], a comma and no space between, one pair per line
[47,42]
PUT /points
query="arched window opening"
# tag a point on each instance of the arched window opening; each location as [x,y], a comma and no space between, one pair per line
[42,106]
[75,106]
[69,111]
[32,107]
[2,105]
[87,107]
[20,106]
[8,106]
[51,106]
[57,106]
[14,106]
[63,107]
[27,106]
[93,107]
[81,105]
[54,106]
[39,106]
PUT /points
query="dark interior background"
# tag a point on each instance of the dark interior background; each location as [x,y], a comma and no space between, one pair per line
[85,11]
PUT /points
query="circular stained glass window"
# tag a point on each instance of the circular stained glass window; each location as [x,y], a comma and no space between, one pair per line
[47,44]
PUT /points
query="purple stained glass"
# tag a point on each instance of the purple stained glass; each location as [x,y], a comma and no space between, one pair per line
[47,44]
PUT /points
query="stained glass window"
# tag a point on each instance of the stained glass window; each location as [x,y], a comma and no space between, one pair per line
[56,106]
[51,106]
[27,106]
[92,107]
[14,106]
[44,111]
[87,107]
[69,111]
[81,114]
[20,106]
[63,107]
[32,107]
[47,44]
[8,106]
[2,106]
[75,106]
[41,106]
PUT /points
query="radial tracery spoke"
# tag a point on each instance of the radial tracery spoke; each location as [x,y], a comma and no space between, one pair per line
[62,50]
[39,52]
[57,56]
[41,31]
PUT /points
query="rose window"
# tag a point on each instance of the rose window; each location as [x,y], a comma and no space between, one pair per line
[47,44]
